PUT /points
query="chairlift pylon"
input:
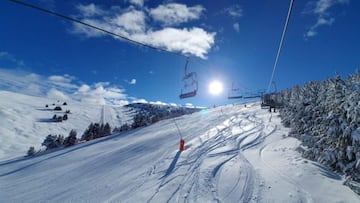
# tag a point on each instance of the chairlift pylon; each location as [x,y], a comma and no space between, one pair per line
[190,82]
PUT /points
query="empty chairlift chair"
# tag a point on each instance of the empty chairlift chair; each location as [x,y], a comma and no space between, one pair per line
[234,93]
[190,83]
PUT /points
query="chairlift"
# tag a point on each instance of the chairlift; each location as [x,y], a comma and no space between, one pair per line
[234,92]
[271,99]
[251,96]
[190,82]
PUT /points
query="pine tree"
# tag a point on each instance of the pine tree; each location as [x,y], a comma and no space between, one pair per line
[31,151]
[107,129]
[88,134]
[124,127]
[71,139]
[53,141]
[96,130]
[140,120]
[60,140]
[325,116]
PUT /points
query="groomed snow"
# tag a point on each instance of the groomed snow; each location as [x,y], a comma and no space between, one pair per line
[234,154]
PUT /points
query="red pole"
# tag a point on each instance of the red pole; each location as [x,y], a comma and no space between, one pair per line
[182,145]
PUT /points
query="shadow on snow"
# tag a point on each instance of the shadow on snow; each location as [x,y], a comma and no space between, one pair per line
[172,165]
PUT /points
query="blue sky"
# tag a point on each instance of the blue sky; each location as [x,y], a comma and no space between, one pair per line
[229,41]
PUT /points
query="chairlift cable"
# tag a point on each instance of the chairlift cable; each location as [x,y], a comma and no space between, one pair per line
[281,44]
[190,94]
[92,26]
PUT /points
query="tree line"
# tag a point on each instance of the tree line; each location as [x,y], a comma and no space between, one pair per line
[325,116]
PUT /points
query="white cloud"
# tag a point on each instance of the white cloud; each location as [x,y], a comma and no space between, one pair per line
[234,11]
[64,81]
[187,41]
[174,13]
[87,31]
[59,78]
[100,93]
[121,102]
[84,88]
[61,87]
[236,27]
[158,103]
[114,93]
[131,23]
[132,82]
[56,94]
[102,84]
[323,21]
[90,10]
[189,105]
[321,9]
[20,81]
[323,6]
[142,101]
[138,2]
[173,104]
[4,54]
[33,89]
[311,33]
[9,57]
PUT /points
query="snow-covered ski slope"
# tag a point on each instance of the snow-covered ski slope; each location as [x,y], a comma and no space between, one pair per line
[25,121]
[234,154]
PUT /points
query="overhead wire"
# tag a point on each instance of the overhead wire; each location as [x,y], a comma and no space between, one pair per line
[92,26]
[149,46]
[281,44]
[193,59]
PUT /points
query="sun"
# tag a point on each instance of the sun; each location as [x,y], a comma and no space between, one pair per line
[215,87]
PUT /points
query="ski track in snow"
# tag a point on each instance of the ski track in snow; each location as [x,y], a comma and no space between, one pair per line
[195,174]
[280,174]
[231,156]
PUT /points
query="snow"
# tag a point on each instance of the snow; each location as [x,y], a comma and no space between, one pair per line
[25,121]
[233,154]
[356,135]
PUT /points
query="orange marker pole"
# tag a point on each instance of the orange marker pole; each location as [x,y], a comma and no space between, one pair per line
[182,145]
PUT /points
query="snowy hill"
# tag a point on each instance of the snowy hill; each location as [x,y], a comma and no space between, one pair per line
[234,154]
[26,121]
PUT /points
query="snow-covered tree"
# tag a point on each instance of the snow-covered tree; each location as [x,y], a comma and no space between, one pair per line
[140,120]
[325,116]
[124,127]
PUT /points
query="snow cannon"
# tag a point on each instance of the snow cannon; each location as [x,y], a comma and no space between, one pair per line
[182,145]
